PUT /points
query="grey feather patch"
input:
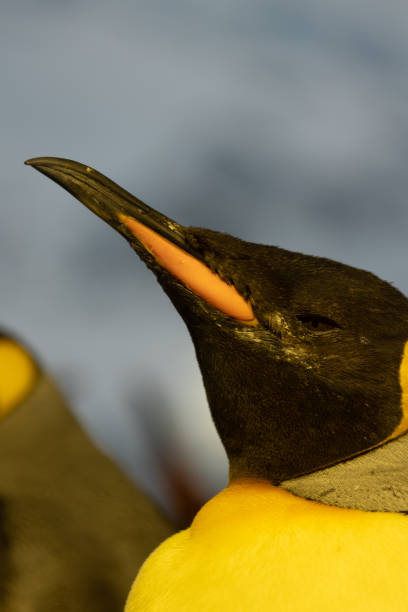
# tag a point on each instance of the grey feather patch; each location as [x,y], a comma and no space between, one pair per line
[375,481]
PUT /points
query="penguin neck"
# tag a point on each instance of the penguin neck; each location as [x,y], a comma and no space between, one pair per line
[374,481]
[244,500]
[248,505]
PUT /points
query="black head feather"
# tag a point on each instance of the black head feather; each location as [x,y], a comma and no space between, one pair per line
[316,381]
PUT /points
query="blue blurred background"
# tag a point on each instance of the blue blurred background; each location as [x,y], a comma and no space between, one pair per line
[284,122]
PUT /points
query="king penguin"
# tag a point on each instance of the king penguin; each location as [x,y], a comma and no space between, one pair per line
[305,366]
[73,529]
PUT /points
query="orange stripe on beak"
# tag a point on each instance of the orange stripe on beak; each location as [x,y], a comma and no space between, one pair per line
[192,273]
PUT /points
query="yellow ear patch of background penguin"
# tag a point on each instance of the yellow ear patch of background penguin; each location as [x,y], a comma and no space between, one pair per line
[17,375]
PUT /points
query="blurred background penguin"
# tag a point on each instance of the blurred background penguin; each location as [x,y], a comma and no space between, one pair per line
[73,529]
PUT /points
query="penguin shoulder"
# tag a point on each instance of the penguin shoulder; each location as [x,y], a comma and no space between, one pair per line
[255,547]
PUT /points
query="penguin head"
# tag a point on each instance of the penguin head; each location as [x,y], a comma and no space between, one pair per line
[303,359]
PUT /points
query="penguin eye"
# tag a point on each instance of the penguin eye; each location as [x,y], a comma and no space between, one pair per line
[318,323]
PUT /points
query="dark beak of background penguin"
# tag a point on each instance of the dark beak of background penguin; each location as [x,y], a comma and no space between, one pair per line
[303,359]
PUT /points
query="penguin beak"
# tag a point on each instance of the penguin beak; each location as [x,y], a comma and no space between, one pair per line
[148,231]
[105,198]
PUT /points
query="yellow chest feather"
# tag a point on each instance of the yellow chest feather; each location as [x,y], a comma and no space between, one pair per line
[256,547]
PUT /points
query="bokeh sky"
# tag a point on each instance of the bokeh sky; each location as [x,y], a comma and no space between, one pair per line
[283,122]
